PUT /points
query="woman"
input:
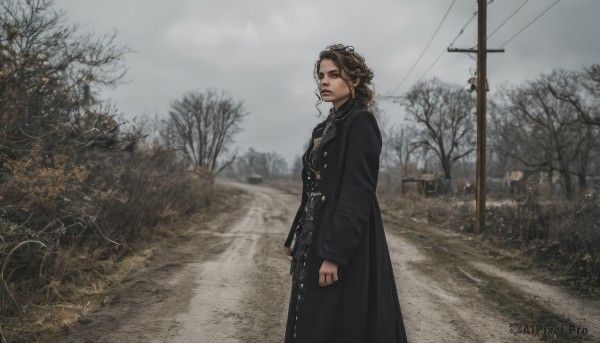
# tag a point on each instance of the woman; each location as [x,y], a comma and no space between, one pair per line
[343,287]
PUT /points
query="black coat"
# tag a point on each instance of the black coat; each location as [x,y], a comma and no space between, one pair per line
[362,306]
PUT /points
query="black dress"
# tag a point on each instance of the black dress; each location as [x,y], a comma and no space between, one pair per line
[304,233]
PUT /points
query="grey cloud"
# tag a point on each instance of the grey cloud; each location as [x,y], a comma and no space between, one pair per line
[262,51]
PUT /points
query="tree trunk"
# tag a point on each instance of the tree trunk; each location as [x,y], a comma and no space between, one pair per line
[550,183]
[568,186]
[582,182]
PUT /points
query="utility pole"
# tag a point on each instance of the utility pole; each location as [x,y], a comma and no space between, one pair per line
[481,108]
[481,115]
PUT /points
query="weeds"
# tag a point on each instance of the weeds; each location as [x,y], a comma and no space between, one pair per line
[561,235]
[78,188]
[60,221]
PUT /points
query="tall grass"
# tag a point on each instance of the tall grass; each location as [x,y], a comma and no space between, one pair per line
[60,220]
[560,234]
[563,235]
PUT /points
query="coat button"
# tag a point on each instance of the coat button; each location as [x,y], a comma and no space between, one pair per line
[325,154]
[323,198]
[325,166]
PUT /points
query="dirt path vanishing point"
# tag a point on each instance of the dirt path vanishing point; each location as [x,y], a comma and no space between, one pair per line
[229,282]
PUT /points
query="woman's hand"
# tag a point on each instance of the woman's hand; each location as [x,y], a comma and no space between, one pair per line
[328,274]
[288,251]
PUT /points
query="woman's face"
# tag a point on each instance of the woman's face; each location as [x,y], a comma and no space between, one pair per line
[332,84]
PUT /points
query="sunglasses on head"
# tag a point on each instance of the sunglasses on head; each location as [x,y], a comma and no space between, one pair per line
[341,47]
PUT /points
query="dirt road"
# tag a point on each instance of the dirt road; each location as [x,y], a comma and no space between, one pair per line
[229,282]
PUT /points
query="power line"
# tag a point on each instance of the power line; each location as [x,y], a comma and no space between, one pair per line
[462,30]
[431,66]
[425,49]
[507,19]
[530,23]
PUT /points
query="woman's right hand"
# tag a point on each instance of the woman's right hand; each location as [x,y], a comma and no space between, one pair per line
[288,251]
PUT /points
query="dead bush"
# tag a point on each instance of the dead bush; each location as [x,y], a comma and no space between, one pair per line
[562,235]
[76,188]
[521,222]
[60,220]
[132,194]
[576,238]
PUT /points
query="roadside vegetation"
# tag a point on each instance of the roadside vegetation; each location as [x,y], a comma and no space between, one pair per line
[560,237]
[81,188]
[542,167]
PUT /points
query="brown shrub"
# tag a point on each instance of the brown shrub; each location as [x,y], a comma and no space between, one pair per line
[60,220]
[562,235]
[132,194]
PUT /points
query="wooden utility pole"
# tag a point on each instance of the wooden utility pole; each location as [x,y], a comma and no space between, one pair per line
[481,115]
[481,108]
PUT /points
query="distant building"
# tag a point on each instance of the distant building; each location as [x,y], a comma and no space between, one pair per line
[536,182]
[425,184]
[254,179]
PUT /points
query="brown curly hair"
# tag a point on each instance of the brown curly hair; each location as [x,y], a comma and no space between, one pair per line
[354,66]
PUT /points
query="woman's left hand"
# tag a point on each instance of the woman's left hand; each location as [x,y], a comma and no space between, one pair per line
[328,273]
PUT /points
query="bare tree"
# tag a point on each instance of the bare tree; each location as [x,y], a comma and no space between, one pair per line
[504,134]
[268,164]
[255,162]
[47,73]
[203,124]
[276,165]
[297,166]
[403,143]
[385,128]
[540,124]
[582,91]
[443,113]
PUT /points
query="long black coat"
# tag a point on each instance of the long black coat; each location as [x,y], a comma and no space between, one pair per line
[362,306]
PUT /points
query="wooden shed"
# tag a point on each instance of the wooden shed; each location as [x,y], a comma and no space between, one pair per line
[426,185]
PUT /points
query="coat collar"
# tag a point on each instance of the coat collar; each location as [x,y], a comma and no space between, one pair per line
[344,110]
[340,115]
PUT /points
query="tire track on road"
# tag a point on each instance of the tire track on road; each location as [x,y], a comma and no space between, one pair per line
[241,295]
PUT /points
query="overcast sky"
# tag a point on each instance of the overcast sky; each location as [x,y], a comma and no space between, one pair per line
[262,51]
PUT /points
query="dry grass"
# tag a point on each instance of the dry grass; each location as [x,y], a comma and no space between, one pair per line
[97,274]
[289,185]
[561,236]
[65,226]
[453,254]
